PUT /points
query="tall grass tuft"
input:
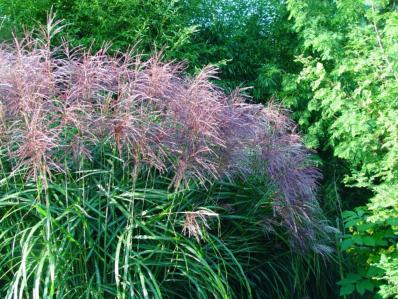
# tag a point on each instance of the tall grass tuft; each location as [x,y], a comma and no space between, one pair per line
[116,175]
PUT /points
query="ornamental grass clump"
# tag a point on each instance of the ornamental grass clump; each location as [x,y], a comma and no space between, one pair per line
[108,157]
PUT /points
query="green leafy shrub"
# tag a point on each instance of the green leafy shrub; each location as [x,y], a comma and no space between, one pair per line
[148,25]
[251,41]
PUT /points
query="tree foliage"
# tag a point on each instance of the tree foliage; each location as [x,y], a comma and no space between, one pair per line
[348,103]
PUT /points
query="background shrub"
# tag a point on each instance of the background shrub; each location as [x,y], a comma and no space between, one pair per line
[252,42]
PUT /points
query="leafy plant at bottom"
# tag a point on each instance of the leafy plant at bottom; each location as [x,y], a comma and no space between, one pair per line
[98,234]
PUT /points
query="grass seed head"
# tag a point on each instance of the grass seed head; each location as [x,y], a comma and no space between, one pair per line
[153,114]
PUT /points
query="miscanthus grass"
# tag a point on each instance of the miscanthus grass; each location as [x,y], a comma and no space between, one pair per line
[120,177]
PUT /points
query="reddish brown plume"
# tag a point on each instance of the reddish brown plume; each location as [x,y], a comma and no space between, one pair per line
[152,113]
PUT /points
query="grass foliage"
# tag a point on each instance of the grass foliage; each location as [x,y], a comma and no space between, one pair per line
[94,234]
[124,178]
